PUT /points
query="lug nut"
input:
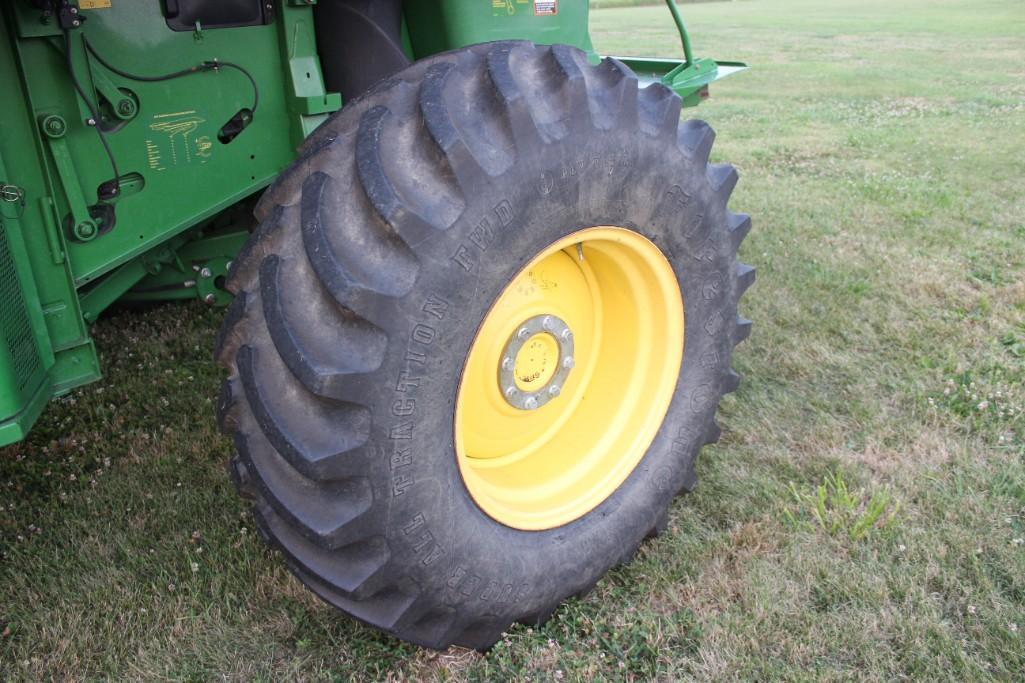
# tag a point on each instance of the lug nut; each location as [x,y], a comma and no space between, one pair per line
[510,392]
[554,390]
[566,334]
[547,322]
[210,299]
[568,362]
[530,403]
[507,363]
[523,334]
[206,272]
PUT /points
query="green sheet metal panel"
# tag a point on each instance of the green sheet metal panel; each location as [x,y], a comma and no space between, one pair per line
[175,171]
[439,25]
[182,172]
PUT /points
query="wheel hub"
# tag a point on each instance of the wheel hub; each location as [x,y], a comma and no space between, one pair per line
[536,362]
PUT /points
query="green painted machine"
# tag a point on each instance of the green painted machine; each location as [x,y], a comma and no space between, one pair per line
[135,136]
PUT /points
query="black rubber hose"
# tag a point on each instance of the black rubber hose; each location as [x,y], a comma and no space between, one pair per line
[211,65]
[93,112]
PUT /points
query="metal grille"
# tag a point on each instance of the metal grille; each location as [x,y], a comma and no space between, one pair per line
[14,321]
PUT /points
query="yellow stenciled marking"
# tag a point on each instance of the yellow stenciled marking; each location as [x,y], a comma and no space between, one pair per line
[204,146]
[93,4]
[175,113]
[153,156]
[184,125]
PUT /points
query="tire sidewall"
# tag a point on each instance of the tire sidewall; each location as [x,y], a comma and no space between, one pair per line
[438,537]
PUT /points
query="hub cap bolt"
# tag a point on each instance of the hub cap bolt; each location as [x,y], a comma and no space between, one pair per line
[547,362]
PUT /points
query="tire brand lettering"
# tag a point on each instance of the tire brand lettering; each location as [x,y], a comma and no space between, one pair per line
[683,442]
[423,334]
[466,583]
[686,435]
[709,360]
[406,381]
[677,201]
[401,432]
[404,406]
[609,164]
[401,457]
[702,395]
[677,197]
[435,306]
[694,224]
[546,183]
[464,258]
[421,540]
[434,553]
[415,524]
[662,480]
[496,592]
[469,584]
[714,324]
[504,212]
[707,250]
[457,576]
[712,287]
[482,235]
[400,483]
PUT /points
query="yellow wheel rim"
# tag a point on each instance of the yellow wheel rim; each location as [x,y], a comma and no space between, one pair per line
[569,378]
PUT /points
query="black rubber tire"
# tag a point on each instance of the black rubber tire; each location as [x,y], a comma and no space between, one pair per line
[378,254]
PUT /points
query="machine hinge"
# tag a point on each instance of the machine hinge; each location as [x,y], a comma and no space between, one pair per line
[12,194]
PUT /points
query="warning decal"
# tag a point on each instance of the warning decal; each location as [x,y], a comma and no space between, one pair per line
[546,7]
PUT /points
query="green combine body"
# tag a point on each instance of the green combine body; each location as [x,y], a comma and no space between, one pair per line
[69,249]
[181,211]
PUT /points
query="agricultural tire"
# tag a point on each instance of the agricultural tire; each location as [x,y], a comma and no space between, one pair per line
[378,255]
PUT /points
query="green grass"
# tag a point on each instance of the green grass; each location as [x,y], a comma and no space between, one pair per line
[863,516]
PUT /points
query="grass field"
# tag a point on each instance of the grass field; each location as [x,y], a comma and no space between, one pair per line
[863,516]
